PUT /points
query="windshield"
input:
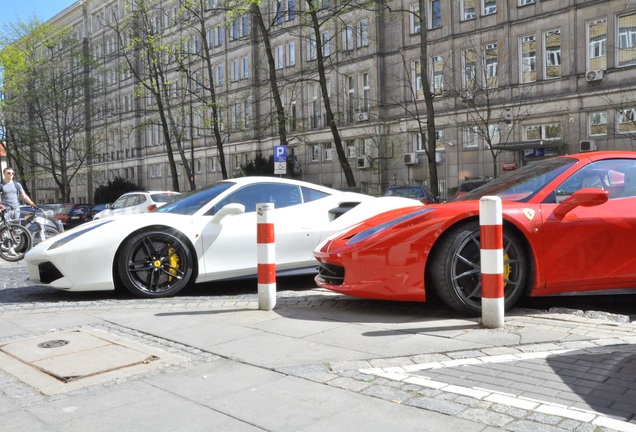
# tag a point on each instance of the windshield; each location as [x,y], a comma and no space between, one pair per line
[190,203]
[521,185]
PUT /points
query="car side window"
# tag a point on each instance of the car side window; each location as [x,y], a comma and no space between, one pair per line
[312,194]
[617,176]
[119,203]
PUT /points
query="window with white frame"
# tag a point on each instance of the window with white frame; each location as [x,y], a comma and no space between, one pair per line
[291,53]
[417,142]
[490,7]
[347,38]
[315,152]
[415,18]
[326,50]
[366,147]
[527,49]
[435,14]
[626,54]
[437,72]
[439,138]
[365,93]
[470,137]
[525,2]
[219,75]
[291,10]
[245,26]
[328,152]
[491,61]
[351,148]
[363,33]
[468,9]
[211,164]
[417,79]
[351,98]
[311,48]
[219,36]
[494,135]
[598,123]
[626,121]
[235,70]
[547,131]
[469,64]
[280,57]
[246,67]
[552,53]
[597,44]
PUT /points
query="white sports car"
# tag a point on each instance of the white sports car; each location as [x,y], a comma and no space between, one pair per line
[207,235]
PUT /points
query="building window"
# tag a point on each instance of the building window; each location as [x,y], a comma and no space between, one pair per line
[435,14]
[219,75]
[491,61]
[291,54]
[415,18]
[528,46]
[311,48]
[417,79]
[351,148]
[437,72]
[626,54]
[280,57]
[246,67]
[315,153]
[469,58]
[235,70]
[597,44]
[219,36]
[552,47]
[598,123]
[548,131]
[351,99]
[417,142]
[490,7]
[470,137]
[291,10]
[211,164]
[363,33]
[328,152]
[347,38]
[525,2]
[325,44]
[626,121]
[468,9]
[365,93]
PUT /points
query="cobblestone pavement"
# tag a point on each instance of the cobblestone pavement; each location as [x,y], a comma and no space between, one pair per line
[557,372]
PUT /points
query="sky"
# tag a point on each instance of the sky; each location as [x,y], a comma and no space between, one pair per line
[12,11]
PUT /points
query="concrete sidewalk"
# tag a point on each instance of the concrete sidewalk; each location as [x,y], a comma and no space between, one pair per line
[318,361]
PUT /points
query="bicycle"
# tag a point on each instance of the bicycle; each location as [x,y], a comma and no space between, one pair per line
[15,240]
[41,224]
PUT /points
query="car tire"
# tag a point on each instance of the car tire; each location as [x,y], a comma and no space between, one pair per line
[455,269]
[155,264]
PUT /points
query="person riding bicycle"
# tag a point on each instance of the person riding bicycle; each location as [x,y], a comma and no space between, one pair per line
[10,191]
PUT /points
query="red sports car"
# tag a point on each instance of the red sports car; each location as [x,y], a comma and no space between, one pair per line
[569,226]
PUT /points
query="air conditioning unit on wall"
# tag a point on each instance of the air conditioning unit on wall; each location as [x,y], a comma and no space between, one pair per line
[363,162]
[587,146]
[363,116]
[594,75]
[410,159]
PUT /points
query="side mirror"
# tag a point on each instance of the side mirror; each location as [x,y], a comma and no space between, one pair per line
[230,209]
[587,197]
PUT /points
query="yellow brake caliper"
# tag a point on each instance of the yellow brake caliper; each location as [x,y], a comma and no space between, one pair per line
[507,269]
[174,263]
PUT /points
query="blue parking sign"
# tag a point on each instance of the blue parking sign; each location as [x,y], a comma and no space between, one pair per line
[280,159]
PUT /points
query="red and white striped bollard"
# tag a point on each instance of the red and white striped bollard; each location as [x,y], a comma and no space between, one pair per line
[266,256]
[491,244]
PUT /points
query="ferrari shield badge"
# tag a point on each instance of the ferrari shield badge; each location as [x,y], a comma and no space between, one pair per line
[529,213]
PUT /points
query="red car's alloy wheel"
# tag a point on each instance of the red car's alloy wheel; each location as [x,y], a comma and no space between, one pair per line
[456,269]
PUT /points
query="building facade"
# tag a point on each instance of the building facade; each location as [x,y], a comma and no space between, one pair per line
[513,81]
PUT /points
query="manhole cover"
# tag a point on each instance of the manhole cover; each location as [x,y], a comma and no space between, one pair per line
[53,343]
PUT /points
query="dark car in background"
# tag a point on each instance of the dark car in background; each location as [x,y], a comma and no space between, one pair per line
[96,208]
[468,186]
[419,192]
[72,215]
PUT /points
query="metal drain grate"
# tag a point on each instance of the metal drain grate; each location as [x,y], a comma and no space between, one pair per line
[53,343]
